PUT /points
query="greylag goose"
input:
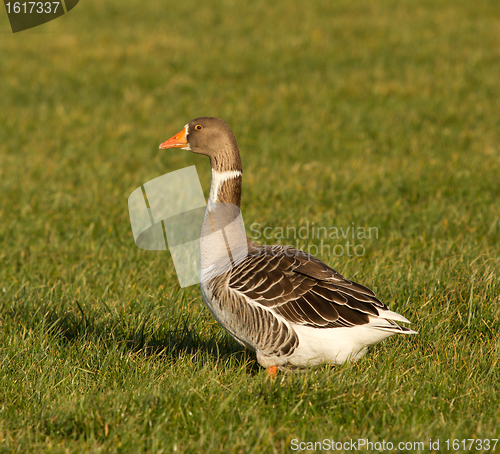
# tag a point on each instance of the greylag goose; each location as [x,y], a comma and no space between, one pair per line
[287,306]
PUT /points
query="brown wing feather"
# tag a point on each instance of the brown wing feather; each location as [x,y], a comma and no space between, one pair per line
[302,289]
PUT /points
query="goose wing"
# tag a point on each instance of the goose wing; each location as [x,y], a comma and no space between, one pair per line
[302,289]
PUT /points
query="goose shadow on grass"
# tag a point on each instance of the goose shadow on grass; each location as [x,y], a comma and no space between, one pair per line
[175,338]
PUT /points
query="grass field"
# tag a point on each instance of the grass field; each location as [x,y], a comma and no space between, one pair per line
[359,113]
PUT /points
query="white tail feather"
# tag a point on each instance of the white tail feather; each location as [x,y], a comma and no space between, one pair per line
[389,315]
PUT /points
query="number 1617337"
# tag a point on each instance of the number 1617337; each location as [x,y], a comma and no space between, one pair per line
[32,7]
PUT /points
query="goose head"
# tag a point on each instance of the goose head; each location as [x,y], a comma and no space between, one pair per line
[211,137]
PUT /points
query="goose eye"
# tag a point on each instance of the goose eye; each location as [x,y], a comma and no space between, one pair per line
[198,127]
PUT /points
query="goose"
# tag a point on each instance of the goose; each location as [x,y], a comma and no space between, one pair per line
[289,307]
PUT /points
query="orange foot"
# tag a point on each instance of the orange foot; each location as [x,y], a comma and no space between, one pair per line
[272,372]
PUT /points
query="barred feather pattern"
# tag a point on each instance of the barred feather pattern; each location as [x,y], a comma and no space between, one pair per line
[277,287]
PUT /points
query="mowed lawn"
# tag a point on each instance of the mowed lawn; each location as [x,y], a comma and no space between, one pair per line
[349,114]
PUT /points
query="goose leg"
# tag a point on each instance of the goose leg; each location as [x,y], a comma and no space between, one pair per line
[272,372]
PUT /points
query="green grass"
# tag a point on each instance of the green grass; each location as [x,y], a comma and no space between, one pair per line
[368,113]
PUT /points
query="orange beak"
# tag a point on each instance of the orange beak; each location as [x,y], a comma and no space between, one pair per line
[177,141]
